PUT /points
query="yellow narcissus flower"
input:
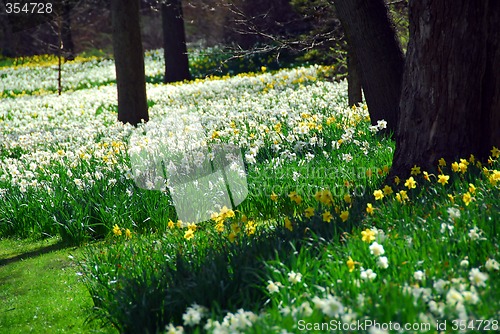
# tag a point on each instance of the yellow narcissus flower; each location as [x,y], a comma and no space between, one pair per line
[411,183]
[327,216]
[344,215]
[274,197]
[402,196]
[443,179]
[189,234]
[288,224]
[171,224]
[250,228]
[219,227]
[378,194]
[397,180]
[494,177]
[128,234]
[235,228]
[387,190]
[309,212]
[232,236]
[415,170]
[347,198]
[454,167]
[495,152]
[426,176]
[463,166]
[116,230]
[442,162]
[472,188]
[295,197]
[467,198]
[369,208]
[367,235]
[351,264]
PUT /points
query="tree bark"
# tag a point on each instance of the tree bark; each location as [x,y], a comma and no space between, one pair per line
[354,92]
[129,62]
[67,38]
[370,34]
[450,103]
[174,42]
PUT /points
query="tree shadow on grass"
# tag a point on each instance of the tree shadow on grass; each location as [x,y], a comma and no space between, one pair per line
[33,253]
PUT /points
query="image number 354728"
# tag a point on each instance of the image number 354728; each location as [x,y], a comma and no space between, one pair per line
[28,8]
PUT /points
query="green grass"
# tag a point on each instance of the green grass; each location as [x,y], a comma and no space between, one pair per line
[305,245]
[40,291]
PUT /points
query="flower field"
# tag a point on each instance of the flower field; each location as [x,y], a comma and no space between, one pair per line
[323,240]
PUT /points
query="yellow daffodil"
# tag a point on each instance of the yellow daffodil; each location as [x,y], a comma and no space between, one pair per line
[250,227]
[171,224]
[117,231]
[351,264]
[367,235]
[463,167]
[309,212]
[472,188]
[295,197]
[495,152]
[411,183]
[494,177]
[397,180]
[189,234]
[369,208]
[327,216]
[467,198]
[344,215]
[442,162]
[415,170]
[443,179]
[288,224]
[235,228]
[128,234]
[452,198]
[387,190]
[378,194]
[347,198]
[274,197]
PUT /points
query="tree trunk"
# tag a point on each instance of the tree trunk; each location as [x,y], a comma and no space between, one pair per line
[450,103]
[174,42]
[67,38]
[353,79]
[129,62]
[371,35]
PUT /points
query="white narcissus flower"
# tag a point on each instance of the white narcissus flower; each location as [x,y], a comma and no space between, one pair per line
[492,264]
[383,262]
[368,275]
[273,287]
[376,249]
[454,297]
[477,278]
[294,277]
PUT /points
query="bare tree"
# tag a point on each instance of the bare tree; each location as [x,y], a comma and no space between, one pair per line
[129,62]
[174,42]
[450,103]
[373,40]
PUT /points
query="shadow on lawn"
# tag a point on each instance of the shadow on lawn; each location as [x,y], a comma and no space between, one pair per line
[33,253]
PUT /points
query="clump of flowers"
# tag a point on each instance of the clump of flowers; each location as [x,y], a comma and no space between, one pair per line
[117,232]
